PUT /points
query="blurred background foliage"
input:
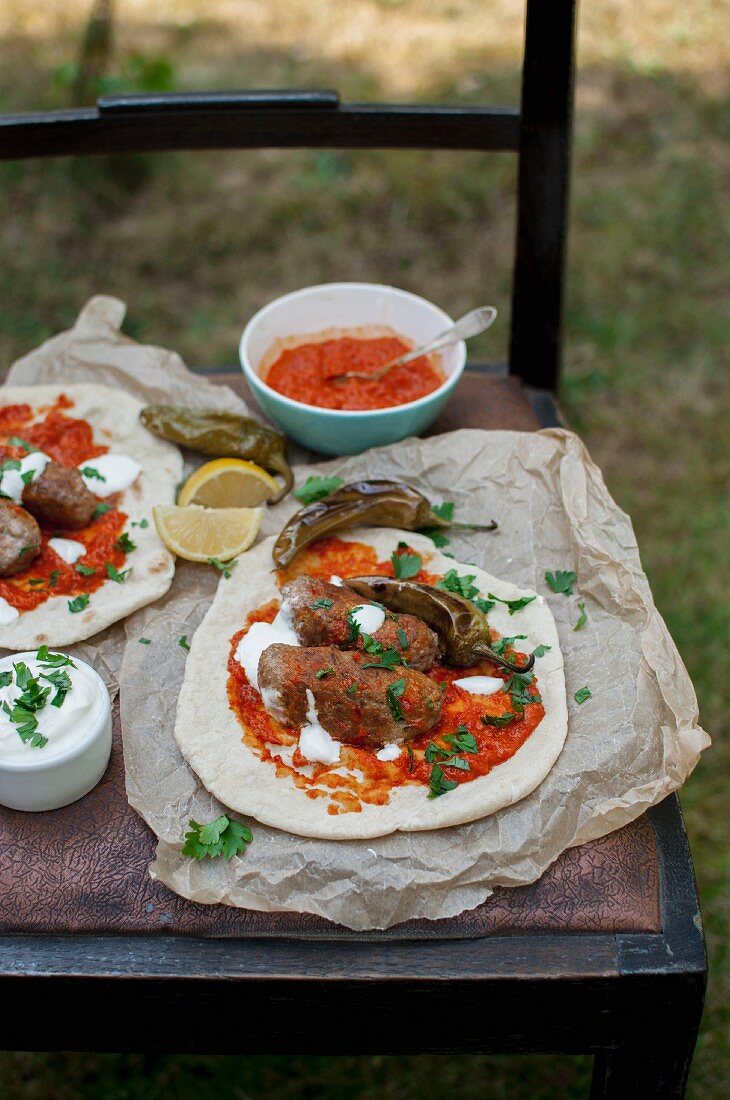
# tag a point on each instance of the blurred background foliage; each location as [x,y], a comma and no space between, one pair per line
[195,243]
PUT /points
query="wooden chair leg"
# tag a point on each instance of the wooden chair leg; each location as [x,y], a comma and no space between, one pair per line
[654,1064]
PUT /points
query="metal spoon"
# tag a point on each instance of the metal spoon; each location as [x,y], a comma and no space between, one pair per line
[471,324]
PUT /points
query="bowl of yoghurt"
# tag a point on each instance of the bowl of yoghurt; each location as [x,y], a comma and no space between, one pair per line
[55,729]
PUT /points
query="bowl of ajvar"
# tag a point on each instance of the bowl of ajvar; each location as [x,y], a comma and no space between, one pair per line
[290,347]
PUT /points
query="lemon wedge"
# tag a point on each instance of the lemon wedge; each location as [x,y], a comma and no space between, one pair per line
[198,534]
[228,483]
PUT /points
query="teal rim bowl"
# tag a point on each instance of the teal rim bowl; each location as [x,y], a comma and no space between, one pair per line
[348,305]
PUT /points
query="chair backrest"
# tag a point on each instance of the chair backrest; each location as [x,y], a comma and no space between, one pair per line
[539,132]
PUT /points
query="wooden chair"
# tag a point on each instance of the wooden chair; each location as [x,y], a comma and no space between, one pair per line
[629,989]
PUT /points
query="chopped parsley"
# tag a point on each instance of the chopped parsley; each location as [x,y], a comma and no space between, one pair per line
[314,488]
[324,602]
[582,694]
[445,510]
[402,638]
[436,535]
[352,689]
[144,641]
[79,603]
[183,642]
[223,567]
[114,575]
[513,605]
[6,679]
[35,581]
[28,550]
[62,683]
[53,660]
[387,658]
[322,672]
[85,570]
[457,762]
[222,837]
[498,720]
[16,441]
[353,625]
[53,579]
[394,693]
[462,586]
[562,581]
[125,543]
[409,750]
[92,473]
[583,616]
[101,509]
[502,644]
[9,464]
[541,650]
[438,784]
[140,523]
[518,687]
[27,477]
[462,741]
[406,563]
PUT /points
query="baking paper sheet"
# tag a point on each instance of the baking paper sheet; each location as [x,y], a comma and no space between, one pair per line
[632,743]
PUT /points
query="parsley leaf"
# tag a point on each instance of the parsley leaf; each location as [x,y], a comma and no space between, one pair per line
[456,762]
[582,694]
[324,602]
[436,535]
[62,683]
[541,650]
[27,477]
[92,473]
[411,761]
[387,658]
[353,625]
[16,441]
[352,689]
[220,837]
[402,638]
[101,509]
[519,688]
[502,644]
[438,784]
[393,694]
[125,543]
[140,523]
[144,641]
[85,570]
[322,672]
[314,488]
[183,642]
[562,581]
[223,567]
[28,550]
[583,616]
[444,511]
[405,563]
[114,575]
[513,605]
[53,579]
[6,679]
[498,720]
[462,741]
[52,660]
[79,603]
[462,586]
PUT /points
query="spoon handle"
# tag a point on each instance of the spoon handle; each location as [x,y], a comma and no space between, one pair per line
[471,324]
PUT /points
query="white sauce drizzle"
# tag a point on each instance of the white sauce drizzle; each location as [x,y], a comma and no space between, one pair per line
[82,708]
[337,581]
[368,617]
[118,473]
[257,638]
[8,613]
[480,685]
[68,549]
[314,742]
[11,481]
[388,752]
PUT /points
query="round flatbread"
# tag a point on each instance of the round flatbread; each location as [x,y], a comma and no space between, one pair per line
[210,736]
[114,418]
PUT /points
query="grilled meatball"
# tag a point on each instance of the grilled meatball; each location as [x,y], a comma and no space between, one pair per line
[318,626]
[353,703]
[59,498]
[20,538]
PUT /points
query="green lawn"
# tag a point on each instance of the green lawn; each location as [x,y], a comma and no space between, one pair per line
[195,243]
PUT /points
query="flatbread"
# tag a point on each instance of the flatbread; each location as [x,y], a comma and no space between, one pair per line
[209,734]
[114,418]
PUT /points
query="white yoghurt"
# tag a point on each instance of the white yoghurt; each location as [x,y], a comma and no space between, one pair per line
[117,473]
[480,685]
[8,613]
[11,481]
[68,549]
[388,752]
[82,710]
[368,617]
[337,581]
[259,637]
[314,742]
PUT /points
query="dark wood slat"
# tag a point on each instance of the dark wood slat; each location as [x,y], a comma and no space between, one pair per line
[350,126]
[216,101]
[542,196]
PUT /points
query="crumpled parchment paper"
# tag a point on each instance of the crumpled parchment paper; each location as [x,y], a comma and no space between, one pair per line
[633,742]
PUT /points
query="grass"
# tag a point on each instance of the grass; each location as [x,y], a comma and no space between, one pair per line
[196,243]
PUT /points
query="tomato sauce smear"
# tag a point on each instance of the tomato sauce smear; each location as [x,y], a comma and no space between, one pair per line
[367,780]
[69,441]
[301,373]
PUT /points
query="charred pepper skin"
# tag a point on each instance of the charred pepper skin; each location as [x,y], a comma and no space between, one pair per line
[223,434]
[462,629]
[378,503]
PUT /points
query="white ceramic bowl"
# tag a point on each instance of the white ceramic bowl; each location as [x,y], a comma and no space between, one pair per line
[47,783]
[346,305]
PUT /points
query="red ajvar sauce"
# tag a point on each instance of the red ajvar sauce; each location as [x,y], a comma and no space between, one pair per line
[349,792]
[70,441]
[301,372]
